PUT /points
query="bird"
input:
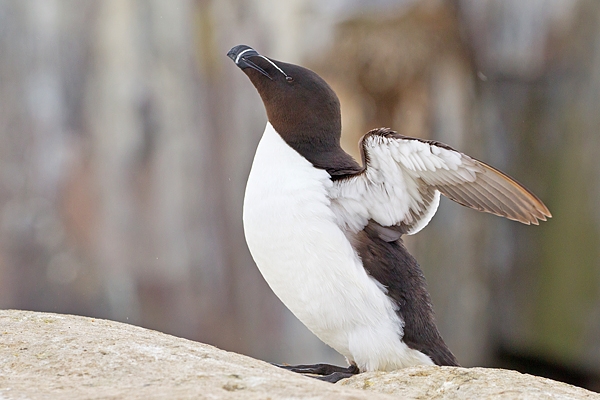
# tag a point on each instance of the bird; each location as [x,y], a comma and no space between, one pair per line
[326,232]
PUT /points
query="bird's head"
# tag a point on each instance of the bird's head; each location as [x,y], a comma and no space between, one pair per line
[295,98]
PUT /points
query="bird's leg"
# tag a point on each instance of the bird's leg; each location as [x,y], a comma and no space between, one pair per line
[325,372]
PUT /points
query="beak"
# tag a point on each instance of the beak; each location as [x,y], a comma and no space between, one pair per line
[241,54]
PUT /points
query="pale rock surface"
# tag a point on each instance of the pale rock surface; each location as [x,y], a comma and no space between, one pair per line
[46,356]
[465,383]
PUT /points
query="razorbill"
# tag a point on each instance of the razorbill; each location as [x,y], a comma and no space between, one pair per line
[326,232]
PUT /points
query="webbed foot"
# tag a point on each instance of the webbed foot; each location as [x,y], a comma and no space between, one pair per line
[325,372]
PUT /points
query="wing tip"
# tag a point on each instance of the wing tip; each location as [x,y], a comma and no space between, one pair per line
[536,209]
[533,217]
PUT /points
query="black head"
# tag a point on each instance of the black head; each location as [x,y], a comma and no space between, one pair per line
[300,105]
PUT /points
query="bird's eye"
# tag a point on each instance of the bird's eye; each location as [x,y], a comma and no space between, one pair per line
[289,79]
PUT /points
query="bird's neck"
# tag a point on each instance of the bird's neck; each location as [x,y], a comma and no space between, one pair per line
[320,145]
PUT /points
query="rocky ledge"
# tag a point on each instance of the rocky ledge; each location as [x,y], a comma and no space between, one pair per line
[46,355]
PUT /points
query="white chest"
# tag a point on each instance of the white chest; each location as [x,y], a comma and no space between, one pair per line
[309,263]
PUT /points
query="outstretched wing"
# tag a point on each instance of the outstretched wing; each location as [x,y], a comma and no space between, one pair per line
[403,177]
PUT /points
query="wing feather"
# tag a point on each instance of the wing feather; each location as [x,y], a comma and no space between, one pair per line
[402,176]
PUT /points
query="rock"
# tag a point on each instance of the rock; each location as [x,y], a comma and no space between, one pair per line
[46,355]
[465,383]
[69,357]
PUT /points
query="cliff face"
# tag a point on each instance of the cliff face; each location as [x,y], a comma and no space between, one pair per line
[46,355]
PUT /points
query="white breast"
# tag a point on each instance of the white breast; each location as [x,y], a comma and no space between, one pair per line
[308,262]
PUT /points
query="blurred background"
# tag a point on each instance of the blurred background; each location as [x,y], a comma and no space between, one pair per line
[126,137]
